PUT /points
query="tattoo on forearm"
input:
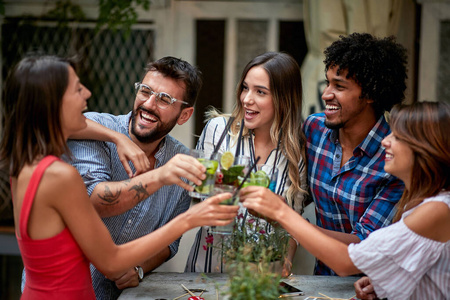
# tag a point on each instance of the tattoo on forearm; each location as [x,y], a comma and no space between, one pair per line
[109,197]
[141,192]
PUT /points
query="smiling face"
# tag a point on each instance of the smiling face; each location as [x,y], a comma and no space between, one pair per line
[399,158]
[256,99]
[149,123]
[343,106]
[74,103]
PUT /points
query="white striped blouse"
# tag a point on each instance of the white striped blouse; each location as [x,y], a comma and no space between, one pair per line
[202,258]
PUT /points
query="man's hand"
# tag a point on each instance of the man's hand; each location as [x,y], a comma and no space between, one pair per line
[182,166]
[129,279]
[364,289]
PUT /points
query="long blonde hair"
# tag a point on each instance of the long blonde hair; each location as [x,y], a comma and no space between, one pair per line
[286,88]
[423,126]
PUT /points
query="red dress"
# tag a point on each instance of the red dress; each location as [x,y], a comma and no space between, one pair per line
[55,267]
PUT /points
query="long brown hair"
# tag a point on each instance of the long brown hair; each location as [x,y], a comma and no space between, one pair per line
[286,88]
[31,109]
[424,127]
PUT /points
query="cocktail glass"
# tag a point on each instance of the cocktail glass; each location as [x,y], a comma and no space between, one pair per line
[219,189]
[261,177]
[238,168]
[211,164]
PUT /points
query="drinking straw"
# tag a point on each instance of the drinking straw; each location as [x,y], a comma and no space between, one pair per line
[238,146]
[276,154]
[246,176]
[224,133]
[180,296]
[187,290]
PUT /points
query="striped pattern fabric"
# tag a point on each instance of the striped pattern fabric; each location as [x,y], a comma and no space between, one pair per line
[404,265]
[98,162]
[206,259]
[357,198]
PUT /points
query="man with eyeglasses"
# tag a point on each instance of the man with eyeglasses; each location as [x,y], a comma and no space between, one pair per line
[133,207]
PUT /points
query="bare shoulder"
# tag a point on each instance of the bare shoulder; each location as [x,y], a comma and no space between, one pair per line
[61,177]
[431,220]
[436,209]
[62,171]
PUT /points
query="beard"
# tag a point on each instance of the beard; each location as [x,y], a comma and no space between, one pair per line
[334,126]
[155,134]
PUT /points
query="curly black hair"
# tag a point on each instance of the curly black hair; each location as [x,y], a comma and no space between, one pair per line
[378,65]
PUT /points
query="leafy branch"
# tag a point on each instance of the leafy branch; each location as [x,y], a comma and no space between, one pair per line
[116,14]
[113,14]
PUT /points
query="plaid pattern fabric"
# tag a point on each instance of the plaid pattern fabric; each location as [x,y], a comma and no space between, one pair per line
[357,198]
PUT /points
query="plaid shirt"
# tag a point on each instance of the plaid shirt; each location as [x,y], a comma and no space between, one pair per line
[99,162]
[357,198]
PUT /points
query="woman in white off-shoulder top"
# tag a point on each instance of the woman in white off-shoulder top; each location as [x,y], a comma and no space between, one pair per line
[411,258]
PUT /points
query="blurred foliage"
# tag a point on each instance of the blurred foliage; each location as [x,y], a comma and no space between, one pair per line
[112,14]
[119,14]
[65,11]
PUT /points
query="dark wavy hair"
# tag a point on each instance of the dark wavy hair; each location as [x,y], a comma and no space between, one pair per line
[423,126]
[180,70]
[31,109]
[378,65]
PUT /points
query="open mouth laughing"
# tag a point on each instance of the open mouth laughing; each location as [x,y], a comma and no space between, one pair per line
[330,107]
[251,113]
[147,117]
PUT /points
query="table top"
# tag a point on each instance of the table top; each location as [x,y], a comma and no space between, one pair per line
[167,285]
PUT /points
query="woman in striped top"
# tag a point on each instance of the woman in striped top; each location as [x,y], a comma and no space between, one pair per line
[269,100]
[411,258]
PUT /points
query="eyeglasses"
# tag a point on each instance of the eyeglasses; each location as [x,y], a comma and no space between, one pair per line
[163,100]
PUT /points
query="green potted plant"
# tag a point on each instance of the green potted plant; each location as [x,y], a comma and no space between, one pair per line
[253,256]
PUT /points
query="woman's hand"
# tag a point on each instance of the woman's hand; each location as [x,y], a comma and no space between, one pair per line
[287,268]
[261,201]
[364,289]
[210,212]
[129,151]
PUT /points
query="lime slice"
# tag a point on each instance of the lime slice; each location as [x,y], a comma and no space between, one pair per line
[266,182]
[227,160]
[260,173]
[203,189]
[262,178]
[211,166]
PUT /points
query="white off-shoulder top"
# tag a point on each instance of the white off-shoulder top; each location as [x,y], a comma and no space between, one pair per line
[404,265]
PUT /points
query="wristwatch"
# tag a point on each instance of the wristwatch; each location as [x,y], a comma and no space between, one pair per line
[140,272]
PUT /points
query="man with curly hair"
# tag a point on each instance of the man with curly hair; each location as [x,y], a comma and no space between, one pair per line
[353,194]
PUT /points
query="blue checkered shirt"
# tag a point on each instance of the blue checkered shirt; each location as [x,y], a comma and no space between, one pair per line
[98,162]
[357,198]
